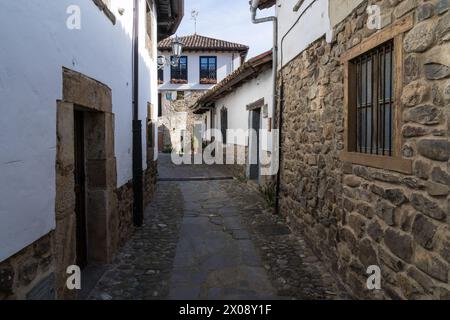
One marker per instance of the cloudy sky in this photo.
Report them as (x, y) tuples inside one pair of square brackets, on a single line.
[(228, 20)]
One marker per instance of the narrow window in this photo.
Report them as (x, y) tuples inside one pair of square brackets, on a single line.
[(180, 95), (208, 70), (373, 74), (179, 73), (159, 105), (224, 123), (160, 76)]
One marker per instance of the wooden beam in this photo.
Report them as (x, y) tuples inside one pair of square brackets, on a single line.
[(379, 38)]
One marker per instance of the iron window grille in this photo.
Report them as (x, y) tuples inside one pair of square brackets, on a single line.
[(208, 70), (374, 74), (160, 76), (179, 73)]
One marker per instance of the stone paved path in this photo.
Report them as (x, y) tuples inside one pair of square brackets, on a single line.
[(213, 239)]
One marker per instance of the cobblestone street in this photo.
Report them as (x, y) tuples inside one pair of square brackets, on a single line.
[(213, 238)]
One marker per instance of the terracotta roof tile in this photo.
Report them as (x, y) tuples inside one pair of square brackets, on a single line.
[(198, 42)]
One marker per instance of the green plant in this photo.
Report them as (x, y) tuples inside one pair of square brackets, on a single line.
[(268, 191), (167, 149)]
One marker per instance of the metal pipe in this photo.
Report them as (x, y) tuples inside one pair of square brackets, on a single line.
[(253, 8), (138, 193)]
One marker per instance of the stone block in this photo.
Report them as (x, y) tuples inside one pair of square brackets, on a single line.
[(399, 244), (415, 93), (431, 264), (423, 231), (421, 37), (434, 149), (427, 207), (424, 114)]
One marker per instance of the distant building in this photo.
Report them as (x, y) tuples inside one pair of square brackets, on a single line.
[(204, 63), (242, 101)]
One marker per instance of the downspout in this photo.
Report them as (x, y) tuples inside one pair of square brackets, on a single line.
[(253, 8), (138, 193)]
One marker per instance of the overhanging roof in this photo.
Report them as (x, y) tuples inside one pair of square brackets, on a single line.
[(170, 14), (264, 4), (246, 72), (197, 42)]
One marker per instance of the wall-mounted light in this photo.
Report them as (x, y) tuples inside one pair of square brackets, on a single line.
[(177, 50)]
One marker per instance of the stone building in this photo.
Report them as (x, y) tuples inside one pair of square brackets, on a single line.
[(204, 63), (240, 102), (66, 196), (364, 95)]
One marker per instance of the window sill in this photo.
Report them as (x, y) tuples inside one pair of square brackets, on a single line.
[(381, 162), (208, 82), (178, 82)]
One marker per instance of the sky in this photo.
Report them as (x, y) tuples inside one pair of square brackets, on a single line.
[(228, 20)]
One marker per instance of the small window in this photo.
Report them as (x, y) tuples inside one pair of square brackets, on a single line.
[(180, 95), (208, 70), (161, 76), (224, 123), (374, 95), (179, 73), (159, 105)]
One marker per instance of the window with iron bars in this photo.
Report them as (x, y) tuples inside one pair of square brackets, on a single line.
[(208, 70), (179, 73), (373, 72)]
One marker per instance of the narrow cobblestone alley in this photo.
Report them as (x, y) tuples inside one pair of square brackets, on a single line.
[(207, 236)]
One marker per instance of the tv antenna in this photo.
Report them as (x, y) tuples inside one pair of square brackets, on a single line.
[(194, 16)]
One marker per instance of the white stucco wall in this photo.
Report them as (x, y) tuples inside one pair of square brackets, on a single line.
[(316, 18), (236, 103), (313, 24), (36, 44), (227, 62)]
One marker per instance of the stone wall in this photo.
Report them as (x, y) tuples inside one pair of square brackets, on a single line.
[(124, 196), (26, 270), (176, 115), (150, 178), (355, 216), (39, 271)]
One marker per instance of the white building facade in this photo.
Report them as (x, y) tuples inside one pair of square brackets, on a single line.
[(67, 66), (204, 63), (239, 109)]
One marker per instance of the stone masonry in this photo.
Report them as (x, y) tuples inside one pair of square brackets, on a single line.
[(355, 216), (176, 116)]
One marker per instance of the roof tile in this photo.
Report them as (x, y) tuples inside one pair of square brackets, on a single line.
[(198, 42)]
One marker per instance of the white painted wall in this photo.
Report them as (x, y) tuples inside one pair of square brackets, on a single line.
[(237, 100), (316, 18), (227, 62), (36, 44), (313, 24)]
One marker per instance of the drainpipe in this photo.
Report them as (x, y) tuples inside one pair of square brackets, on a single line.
[(138, 193), (253, 8)]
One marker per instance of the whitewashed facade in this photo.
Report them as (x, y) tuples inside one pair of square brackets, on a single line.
[(39, 39)]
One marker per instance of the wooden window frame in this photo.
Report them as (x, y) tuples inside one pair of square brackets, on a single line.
[(161, 76), (178, 80), (395, 162), (209, 80)]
